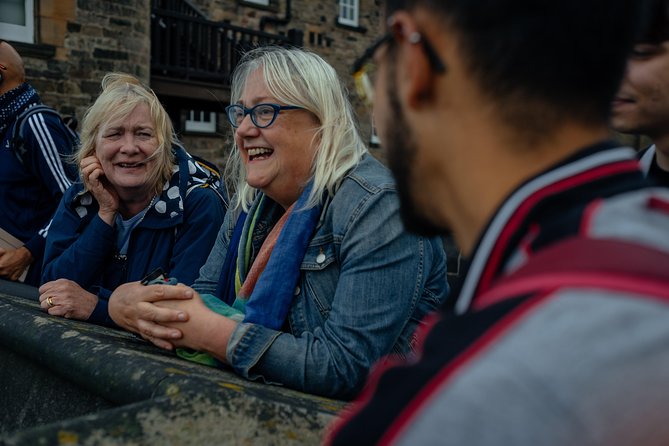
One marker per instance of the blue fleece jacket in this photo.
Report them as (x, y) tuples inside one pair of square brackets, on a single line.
[(176, 234), (30, 191)]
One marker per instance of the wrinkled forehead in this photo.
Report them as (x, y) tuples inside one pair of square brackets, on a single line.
[(255, 88), (133, 115)]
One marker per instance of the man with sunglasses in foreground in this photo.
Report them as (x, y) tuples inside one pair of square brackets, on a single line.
[(495, 117)]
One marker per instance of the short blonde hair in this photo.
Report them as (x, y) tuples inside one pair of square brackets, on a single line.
[(298, 77), (121, 93)]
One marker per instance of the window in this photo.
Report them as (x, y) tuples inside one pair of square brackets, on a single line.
[(317, 38), (16, 20), (260, 2), (348, 12), (201, 121)]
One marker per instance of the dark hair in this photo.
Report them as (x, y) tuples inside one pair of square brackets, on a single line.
[(657, 30), (542, 60)]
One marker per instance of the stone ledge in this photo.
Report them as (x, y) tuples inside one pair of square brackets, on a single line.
[(133, 393)]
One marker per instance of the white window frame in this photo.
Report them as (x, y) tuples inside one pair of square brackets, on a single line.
[(349, 11), (259, 2), (20, 33), (374, 140), (195, 122)]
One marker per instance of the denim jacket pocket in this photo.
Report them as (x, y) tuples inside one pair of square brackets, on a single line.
[(320, 274)]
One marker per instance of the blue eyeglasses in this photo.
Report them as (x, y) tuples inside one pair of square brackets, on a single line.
[(262, 115)]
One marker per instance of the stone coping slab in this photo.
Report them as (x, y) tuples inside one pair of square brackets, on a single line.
[(131, 392)]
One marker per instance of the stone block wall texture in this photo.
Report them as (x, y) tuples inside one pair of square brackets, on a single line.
[(89, 38)]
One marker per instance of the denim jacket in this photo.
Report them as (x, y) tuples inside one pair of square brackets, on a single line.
[(365, 285)]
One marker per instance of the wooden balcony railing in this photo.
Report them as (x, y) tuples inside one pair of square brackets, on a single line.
[(191, 48)]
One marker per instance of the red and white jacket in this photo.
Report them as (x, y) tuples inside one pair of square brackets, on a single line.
[(559, 333)]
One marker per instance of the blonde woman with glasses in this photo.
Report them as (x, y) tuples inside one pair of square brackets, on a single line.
[(322, 277)]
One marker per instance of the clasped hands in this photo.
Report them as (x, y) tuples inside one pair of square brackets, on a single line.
[(169, 317)]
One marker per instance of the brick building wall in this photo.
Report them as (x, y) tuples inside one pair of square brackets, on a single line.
[(78, 42), (339, 45)]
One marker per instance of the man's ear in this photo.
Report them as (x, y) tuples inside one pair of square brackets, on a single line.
[(413, 66)]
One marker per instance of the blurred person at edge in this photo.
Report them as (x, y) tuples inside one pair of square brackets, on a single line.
[(641, 106), (558, 334), (33, 177), (313, 248), (143, 203)]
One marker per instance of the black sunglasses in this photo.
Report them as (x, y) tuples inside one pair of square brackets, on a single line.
[(364, 64)]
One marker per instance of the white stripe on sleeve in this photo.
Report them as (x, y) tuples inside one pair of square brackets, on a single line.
[(49, 150)]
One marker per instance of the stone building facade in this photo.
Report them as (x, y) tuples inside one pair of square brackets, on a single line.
[(74, 43)]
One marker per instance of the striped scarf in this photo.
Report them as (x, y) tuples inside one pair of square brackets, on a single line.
[(265, 286), (272, 293)]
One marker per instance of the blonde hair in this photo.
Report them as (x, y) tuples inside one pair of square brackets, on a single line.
[(298, 77), (121, 93)]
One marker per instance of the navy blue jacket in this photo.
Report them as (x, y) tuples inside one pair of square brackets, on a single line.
[(176, 233), (30, 191)]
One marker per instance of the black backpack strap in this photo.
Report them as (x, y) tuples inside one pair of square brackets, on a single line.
[(17, 140), (213, 181)]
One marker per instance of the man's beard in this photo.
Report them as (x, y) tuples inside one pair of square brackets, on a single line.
[(401, 150)]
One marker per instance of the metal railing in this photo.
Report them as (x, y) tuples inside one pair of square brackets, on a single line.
[(190, 48)]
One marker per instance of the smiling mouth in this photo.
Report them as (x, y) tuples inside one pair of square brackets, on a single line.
[(131, 165), (620, 101), (259, 153)]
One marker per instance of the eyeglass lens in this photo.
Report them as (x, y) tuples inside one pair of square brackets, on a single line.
[(261, 115)]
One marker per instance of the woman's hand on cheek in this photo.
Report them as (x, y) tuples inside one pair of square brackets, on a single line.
[(104, 193)]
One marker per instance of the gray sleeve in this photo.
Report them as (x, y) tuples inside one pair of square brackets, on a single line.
[(586, 368)]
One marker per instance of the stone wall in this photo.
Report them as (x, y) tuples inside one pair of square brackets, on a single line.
[(339, 45), (77, 43)]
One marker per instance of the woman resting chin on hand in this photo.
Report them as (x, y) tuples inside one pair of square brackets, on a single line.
[(141, 204)]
